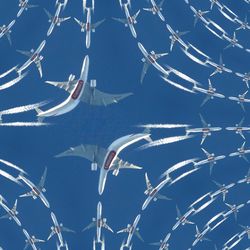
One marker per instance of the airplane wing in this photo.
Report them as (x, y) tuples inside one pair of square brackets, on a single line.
[(43, 179), (178, 212), (125, 230), (15, 206), (121, 20), (207, 98), (92, 224), (204, 136), (63, 19), (68, 86), (139, 235), (95, 25), (144, 70), (6, 216), (83, 25), (204, 123), (119, 163), (161, 4), (148, 183), (65, 229), (108, 227), (48, 14), (162, 197), (28, 194), (8, 37), (93, 96), (92, 153), (26, 53)]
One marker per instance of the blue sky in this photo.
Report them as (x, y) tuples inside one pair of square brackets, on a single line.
[(115, 62)]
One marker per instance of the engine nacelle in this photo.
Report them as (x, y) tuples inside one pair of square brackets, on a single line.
[(116, 172), (92, 83), (93, 166), (71, 77), (40, 58)]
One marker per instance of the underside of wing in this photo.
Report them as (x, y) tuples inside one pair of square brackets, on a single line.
[(93, 96), (92, 153), (124, 165), (68, 86)]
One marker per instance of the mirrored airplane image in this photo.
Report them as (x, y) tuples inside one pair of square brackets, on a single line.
[(107, 159)]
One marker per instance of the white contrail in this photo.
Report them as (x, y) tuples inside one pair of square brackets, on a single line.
[(24, 124), (163, 141), (8, 176), (7, 72), (13, 82), (178, 166), (163, 125), (21, 109), (12, 166)]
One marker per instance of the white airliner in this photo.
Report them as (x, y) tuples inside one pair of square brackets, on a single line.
[(107, 159), (55, 20), (89, 27), (6, 30), (240, 99), (99, 223), (36, 190), (151, 59), (129, 21), (34, 57), (241, 152), (163, 244), (11, 213), (24, 5), (31, 240), (239, 128), (156, 9)]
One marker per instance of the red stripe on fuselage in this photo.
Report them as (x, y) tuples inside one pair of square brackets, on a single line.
[(77, 90), (109, 160)]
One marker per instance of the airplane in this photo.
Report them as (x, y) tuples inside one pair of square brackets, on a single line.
[(80, 90), (129, 21), (55, 20), (246, 179), (107, 159), (241, 152), (58, 229), (211, 159), (247, 230), (6, 30), (243, 24), (200, 235), (176, 37), (199, 15), (163, 244), (245, 77), (150, 59), (156, 9), (223, 189), (233, 42), (36, 190), (206, 129), (88, 27), (24, 5), (62, 2), (210, 92), (34, 57), (239, 129), (234, 209), (98, 222), (153, 193), (11, 213), (213, 2), (131, 230), (219, 68), (182, 219), (240, 99), (31, 240)]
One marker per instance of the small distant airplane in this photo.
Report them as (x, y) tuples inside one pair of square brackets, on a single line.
[(24, 5), (34, 57), (151, 59), (240, 99), (223, 189), (200, 235), (206, 129), (241, 152), (163, 244), (131, 230), (233, 42), (99, 223), (210, 92), (129, 21), (219, 68), (55, 20), (31, 240), (36, 190), (11, 213), (176, 37), (211, 160), (234, 209), (6, 30), (183, 219), (199, 15), (246, 179), (153, 193), (239, 128), (243, 24), (88, 27), (156, 9), (107, 159), (245, 77), (58, 229)]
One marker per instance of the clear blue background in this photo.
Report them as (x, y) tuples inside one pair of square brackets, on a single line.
[(115, 61)]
